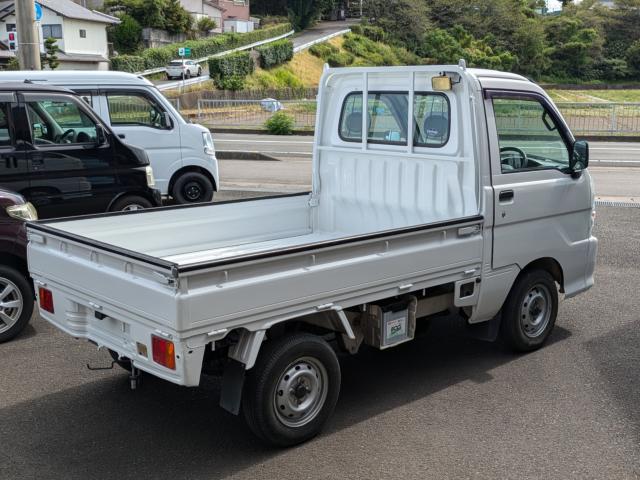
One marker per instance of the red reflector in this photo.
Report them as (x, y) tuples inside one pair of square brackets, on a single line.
[(46, 299), (164, 352)]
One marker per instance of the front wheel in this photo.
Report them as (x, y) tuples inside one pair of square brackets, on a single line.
[(292, 390), (130, 203), (192, 187), (529, 314), (16, 302)]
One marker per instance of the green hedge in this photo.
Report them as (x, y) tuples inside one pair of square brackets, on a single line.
[(229, 71), (159, 57), (275, 53), (127, 63)]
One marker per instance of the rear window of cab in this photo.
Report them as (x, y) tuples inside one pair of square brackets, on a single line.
[(387, 118)]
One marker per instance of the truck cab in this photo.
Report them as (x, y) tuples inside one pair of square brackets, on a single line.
[(435, 189)]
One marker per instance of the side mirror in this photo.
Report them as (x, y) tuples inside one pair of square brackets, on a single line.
[(101, 135), (580, 156)]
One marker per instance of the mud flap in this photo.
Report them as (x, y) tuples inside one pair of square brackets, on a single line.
[(487, 331), (232, 383)]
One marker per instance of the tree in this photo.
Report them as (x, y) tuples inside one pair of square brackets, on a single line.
[(126, 35), (176, 18), (205, 25), (405, 21), (303, 13), (50, 57)]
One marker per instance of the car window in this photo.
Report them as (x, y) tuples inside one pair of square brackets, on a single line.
[(60, 122), (386, 118), (175, 63), (135, 108), (431, 116), (528, 136), (5, 133)]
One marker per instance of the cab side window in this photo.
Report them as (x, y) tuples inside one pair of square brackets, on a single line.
[(5, 133), (135, 108), (59, 122), (528, 136)]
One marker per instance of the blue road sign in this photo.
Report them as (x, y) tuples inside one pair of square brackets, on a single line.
[(38, 12)]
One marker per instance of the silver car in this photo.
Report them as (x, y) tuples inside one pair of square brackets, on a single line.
[(183, 68)]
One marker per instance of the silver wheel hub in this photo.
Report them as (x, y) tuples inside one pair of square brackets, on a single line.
[(11, 304), (300, 392), (535, 311), (131, 207)]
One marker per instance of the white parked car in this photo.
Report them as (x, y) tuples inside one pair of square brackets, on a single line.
[(182, 154), (183, 69), (452, 190)]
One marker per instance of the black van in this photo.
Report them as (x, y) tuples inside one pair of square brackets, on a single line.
[(55, 151)]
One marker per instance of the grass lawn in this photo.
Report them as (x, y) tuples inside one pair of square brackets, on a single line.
[(595, 96)]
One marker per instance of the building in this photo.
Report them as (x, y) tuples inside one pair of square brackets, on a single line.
[(229, 15), (80, 33)]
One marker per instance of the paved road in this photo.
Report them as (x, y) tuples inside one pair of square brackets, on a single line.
[(602, 153), (443, 406), (319, 31), (292, 172)]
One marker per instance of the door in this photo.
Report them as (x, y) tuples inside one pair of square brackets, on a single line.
[(541, 208), (72, 173), (14, 163), (140, 120)]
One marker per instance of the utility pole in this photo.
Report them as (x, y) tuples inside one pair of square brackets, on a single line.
[(29, 45)]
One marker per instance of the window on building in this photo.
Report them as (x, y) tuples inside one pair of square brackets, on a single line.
[(11, 27), (83, 33), (52, 31)]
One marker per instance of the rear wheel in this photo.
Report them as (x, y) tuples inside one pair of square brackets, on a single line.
[(16, 302), (130, 203), (529, 314), (192, 187), (292, 390), (199, 71)]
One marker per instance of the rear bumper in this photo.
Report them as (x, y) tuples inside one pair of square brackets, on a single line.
[(130, 338)]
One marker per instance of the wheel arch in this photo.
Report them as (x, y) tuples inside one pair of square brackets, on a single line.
[(14, 261), (548, 264)]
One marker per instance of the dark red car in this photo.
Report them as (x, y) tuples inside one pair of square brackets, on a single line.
[(16, 289)]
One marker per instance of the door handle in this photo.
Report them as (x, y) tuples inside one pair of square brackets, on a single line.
[(505, 195)]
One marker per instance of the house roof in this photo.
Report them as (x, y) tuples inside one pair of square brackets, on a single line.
[(66, 8)]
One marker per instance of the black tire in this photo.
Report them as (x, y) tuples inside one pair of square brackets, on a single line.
[(199, 72), (124, 363), (530, 311), (192, 187), (130, 202), (15, 290), (261, 396)]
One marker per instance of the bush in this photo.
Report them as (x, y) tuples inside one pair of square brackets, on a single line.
[(128, 63), (340, 59), (126, 35), (275, 53), (159, 57), (228, 72), (323, 50), (633, 57), (280, 124), (376, 34)]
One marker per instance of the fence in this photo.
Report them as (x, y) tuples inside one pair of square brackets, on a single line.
[(223, 109), (254, 113), (602, 118)]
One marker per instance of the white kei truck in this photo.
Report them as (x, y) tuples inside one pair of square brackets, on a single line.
[(468, 194)]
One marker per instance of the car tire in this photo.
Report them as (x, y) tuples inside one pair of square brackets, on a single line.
[(292, 391), (530, 311), (16, 302), (130, 203), (199, 72), (169, 77), (192, 187)]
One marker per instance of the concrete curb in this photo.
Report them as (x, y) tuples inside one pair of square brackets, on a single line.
[(243, 155)]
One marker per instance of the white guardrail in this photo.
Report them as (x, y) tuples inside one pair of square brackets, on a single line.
[(320, 40), (151, 71)]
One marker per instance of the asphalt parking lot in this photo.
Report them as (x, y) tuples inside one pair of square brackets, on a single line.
[(443, 406)]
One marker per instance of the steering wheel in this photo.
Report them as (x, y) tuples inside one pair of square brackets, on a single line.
[(62, 137), (511, 160)]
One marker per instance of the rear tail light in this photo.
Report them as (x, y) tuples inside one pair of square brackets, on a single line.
[(164, 352), (46, 299)]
